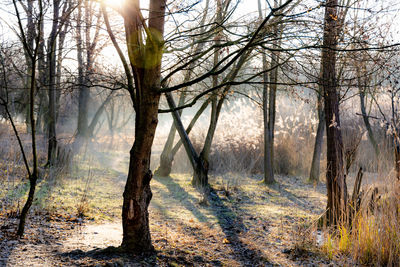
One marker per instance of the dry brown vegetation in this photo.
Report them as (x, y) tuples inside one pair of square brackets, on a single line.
[(241, 223)]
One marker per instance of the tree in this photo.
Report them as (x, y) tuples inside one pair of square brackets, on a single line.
[(145, 60), (200, 162), (335, 179), (270, 80), (319, 137), (168, 153), (87, 43), (31, 48), (145, 46), (54, 65)]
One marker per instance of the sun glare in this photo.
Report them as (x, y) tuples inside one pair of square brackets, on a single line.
[(114, 3)]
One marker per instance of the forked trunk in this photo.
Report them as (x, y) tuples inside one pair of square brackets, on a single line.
[(168, 153)]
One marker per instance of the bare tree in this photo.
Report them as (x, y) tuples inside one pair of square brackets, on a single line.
[(88, 18), (31, 49), (145, 48), (335, 178)]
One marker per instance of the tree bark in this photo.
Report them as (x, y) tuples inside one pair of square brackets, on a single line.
[(190, 126), (96, 117), (335, 179)]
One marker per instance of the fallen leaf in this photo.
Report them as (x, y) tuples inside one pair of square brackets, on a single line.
[(226, 241)]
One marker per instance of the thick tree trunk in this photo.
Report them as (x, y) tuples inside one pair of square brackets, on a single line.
[(137, 194), (145, 59), (319, 138), (335, 179)]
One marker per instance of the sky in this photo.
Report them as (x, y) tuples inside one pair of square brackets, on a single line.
[(245, 8)]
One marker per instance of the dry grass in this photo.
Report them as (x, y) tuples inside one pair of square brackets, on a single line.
[(373, 237), (238, 144)]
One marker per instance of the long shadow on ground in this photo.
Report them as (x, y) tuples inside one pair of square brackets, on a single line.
[(186, 199), (232, 225), (110, 257), (228, 219), (9, 242)]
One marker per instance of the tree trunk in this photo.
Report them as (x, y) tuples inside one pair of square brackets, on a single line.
[(30, 40), (28, 204), (268, 160), (146, 67), (190, 126), (269, 102), (96, 117), (335, 179), (32, 51), (199, 167), (137, 193), (200, 175), (51, 61), (319, 138), (167, 155), (84, 93), (367, 124), (397, 156), (41, 115)]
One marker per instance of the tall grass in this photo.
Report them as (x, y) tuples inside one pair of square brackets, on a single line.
[(373, 236), (238, 144)]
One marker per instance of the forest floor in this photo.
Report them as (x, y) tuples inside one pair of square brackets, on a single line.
[(241, 223)]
